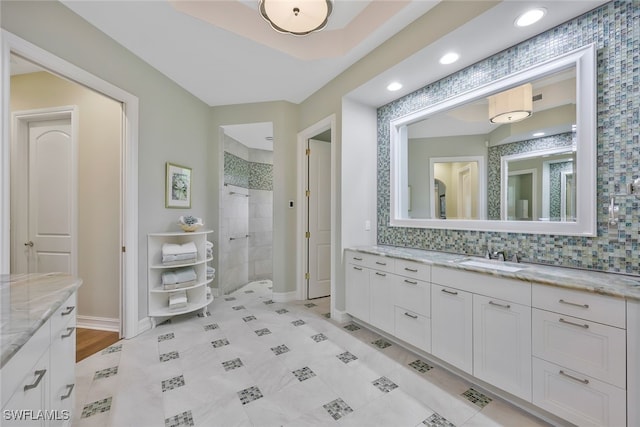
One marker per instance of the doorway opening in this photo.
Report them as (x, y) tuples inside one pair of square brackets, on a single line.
[(246, 206), (317, 232), (115, 173)]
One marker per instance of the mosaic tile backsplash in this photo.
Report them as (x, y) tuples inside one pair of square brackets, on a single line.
[(614, 29), (246, 174)]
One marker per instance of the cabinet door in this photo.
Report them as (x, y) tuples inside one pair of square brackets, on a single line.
[(502, 344), (451, 326), (382, 311), (34, 398), (63, 357), (357, 291)]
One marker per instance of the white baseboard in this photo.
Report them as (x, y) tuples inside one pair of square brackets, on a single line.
[(99, 323), (340, 316), (284, 296), (144, 325)]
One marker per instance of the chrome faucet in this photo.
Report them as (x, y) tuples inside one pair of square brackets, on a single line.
[(497, 255)]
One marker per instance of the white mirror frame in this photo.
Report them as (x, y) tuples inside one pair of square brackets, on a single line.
[(585, 224)]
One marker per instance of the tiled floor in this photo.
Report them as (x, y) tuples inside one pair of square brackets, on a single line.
[(255, 362)]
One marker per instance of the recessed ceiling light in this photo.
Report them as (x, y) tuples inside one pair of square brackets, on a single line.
[(530, 17), (449, 58), (394, 86), (537, 134)]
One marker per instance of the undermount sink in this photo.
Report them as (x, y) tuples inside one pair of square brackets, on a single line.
[(492, 265)]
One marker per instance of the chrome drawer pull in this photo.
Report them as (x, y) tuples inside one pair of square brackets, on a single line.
[(449, 292), (413, 316), (411, 282), (413, 270), (585, 381), (357, 259), (561, 301), (69, 310), (574, 324), (381, 274), (69, 333), (381, 263), (357, 268), (68, 395), (40, 374), (499, 305)]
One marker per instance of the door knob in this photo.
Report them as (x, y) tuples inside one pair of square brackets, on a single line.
[(29, 243)]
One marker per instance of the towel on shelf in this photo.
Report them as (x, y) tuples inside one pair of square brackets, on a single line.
[(177, 300), (211, 272), (209, 249), (179, 278), (172, 252)]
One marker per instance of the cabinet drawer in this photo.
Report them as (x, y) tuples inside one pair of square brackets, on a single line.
[(579, 399), (585, 305), (588, 347), (414, 295), (513, 290), (413, 269), (377, 262), (413, 328), (65, 315)]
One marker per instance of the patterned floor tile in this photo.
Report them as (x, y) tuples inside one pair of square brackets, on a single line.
[(352, 327), (310, 304), (249, 318), (384, 384), (337, 408), (183, 419), (230, 299), (238, 307), (165, 357), (281, 349), (282, 311), (172, 383), (381, 343), (346, 357), (249, 291), (298, 322), (211, 327), (437, 420), (96, 407), (106, 373), (249, 395), (421, 366), (477, 398), (220, 343), (319, 337), (263, 331), (269, 302), (232, 364), (166, 337), (112, 349), (205, 314), (304, 373)]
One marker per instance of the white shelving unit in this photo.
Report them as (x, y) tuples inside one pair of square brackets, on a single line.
[(197, 295)]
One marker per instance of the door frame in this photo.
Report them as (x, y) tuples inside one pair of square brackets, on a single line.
[(130, 326), (328, 123), (19, 141)]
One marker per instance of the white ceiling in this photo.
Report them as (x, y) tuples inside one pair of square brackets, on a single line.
[(224, 53)]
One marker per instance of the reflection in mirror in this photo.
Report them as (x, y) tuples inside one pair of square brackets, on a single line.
[(469, 158)]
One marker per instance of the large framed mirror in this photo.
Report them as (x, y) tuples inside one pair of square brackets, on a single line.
[(515, 155)]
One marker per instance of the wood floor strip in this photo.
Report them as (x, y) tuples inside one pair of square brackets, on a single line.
[(91, 341)]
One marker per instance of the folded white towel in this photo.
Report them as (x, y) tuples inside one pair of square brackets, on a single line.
[(177, 300), (208, 244), (177, 249), (180, 257), (180, 275)]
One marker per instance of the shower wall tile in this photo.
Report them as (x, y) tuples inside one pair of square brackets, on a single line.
[(613, 28)]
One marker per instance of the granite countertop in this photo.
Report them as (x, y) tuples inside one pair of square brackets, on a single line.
[(612, 284), (27, 301)]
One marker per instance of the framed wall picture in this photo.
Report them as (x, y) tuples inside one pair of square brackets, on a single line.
[(178, 186)]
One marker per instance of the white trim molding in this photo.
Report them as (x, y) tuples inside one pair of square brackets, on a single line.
[(98, 323)]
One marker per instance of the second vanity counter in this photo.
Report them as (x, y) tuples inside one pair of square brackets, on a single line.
[(558, 339), (611, 284)]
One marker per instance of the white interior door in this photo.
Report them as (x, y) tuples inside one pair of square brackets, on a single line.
[(319, 219), (47, 243)]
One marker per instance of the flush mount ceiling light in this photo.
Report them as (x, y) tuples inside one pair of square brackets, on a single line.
[(511, 105), (297, 17), (530, 17)]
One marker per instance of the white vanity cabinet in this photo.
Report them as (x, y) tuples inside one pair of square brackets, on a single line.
[(579, 349), (412, 303), (198, 295), (41, 375)]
